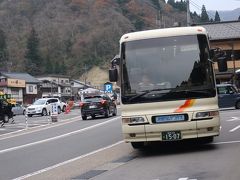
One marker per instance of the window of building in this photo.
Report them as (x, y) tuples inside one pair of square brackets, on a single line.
[(15, 91), (66, 81), (235, 53), (30, 88)]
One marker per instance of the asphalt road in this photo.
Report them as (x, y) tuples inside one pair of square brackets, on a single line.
[(93, 149)]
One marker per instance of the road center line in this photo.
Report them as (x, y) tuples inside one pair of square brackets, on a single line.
[(68, 161), (58, 137), (234, 129)]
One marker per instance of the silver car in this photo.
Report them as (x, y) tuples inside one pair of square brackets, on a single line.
[(18, 109)]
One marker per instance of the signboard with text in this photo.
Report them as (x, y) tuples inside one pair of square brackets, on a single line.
[(54, 108), (16, 83)]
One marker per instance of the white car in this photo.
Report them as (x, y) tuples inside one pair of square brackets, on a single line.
[(44, 107)]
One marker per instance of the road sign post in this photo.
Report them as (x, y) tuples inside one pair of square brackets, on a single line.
[(54, 112), (26, 120)]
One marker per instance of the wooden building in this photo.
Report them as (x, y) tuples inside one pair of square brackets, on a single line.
[(226, 36)]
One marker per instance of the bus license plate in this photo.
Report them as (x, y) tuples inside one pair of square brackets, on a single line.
[(171, 135)]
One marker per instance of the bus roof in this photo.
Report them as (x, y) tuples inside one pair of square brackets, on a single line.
[(167, 32)]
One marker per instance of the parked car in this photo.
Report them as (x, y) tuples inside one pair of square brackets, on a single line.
[(18, 109), (43, 107), (63, 106), (228, 96), (98, 105)]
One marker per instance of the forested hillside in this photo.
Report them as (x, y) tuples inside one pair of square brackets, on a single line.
[(62, 36)]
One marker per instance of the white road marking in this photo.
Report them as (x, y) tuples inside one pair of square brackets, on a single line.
[(234, 119), (94, 152), (36, 127), (234, 129), (66, 162), (57, 137), (226, 142)]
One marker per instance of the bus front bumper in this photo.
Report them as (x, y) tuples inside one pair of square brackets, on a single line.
[(187, 130)]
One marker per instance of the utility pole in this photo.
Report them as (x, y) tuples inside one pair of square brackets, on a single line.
[(234, 65), (85, 68), (188, 14)]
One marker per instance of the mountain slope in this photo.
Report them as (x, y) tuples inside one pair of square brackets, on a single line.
[(77, 32)]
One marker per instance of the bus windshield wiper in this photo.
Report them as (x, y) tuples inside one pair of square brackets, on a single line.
[(147, 92)]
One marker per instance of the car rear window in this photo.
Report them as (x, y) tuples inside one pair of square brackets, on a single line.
[(92, 98)]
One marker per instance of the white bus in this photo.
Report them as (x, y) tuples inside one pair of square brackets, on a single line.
[(167, 83)]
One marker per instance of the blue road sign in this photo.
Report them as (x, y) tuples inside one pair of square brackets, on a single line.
[(108, 87)]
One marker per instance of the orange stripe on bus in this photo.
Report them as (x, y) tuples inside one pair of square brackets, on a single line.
[(188, 103)]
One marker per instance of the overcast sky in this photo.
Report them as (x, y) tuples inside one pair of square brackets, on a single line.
[(216, 5)]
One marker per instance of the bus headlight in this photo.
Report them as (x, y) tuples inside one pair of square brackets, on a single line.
[(207, 114), (133, 120)]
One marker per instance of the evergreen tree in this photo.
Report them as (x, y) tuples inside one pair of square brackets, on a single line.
[(3, 48), (49, 66), (181, 5), (63, 68), (217, 17), (204, 15), (171, 2), (57, 69), (139, 24), (195, 17), (156, 3), (32, 55), (238, 18)]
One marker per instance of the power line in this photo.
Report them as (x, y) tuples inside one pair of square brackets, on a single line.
[(227, 25), (196, 5)]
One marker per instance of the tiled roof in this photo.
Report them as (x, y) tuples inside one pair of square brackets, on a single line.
[(223, 30), (23, 76)]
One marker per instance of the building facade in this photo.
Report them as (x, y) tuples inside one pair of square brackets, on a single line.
[(56, 86), (226, 36), (21, 86)]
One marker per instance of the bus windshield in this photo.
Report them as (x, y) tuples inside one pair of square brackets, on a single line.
[(165, 69)]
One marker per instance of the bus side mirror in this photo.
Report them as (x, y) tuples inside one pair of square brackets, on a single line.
[(113, 72), (222, 64), (113, 75)]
